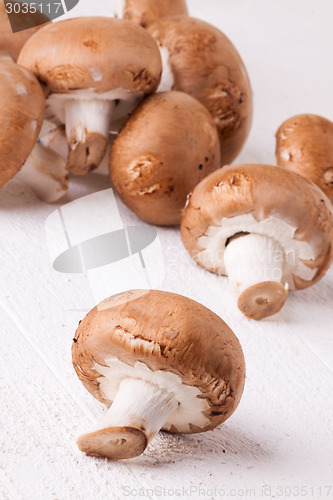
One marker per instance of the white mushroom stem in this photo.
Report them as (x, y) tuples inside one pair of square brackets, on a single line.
[(252, 259), (167, 80), (254, 265), (87, 129), (54, 137), (140, 404), (45, 172), (120, 7), (138, 412)]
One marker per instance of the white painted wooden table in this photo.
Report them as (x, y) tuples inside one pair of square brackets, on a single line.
[(278, 444)]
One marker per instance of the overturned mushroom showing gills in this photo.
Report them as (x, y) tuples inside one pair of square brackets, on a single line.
[(12, 43), (99, 69), (200, 60), (146, 12), (304, 144), (169, 144), (269, 230), (159, 361)]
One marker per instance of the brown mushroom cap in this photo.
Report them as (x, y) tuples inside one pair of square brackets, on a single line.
[(12, 43), (168, 333), (206, 65), (22, 103), (304, 144), (263, 191), (146, 12), (167, 146), (97, 53)]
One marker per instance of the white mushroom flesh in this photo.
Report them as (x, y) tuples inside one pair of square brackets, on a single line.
[(45, 172), (139, 404), (120, 7), (253, 259), (93, 116), (190, 406), (167, 80), (87, 111), (294, 252), (54, 137)]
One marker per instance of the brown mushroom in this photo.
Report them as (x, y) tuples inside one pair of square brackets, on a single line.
[(146, 12), (269, 230), (304, 144), (11, 43), (167, 146), (159, 361), (95, 70), (200, 60), (23, 101)]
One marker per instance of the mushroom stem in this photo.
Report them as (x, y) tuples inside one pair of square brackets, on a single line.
[(167, 79), (87, 130), (254, 265), (45, 172), (54, 137), (138, 412), (120, 7)]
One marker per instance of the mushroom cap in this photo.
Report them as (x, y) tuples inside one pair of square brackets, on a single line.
[(23, 100), (304, 144), (261, 192), (168, 145), (146, 12), (206, 65), (168, 333), (97, 53), (12, 43)]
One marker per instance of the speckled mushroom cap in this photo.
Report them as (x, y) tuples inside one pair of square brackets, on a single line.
[(11, 43), (264, 197), (97, 53), (22, 103), (205, 64), (167, 333), (304, 144), (166, 148), (145, 12)]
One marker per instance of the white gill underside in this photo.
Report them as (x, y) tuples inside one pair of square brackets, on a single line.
[(167, 80), (45, 172), (190, 405), (56, 104), (213, 245)]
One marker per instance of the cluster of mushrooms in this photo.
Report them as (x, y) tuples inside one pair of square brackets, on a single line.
[(166, 101)]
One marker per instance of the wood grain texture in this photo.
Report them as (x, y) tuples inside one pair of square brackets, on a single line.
[(281, 433)]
